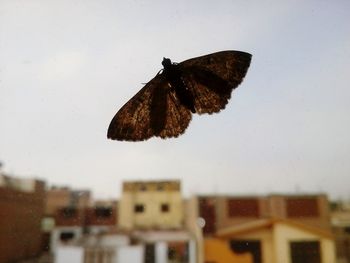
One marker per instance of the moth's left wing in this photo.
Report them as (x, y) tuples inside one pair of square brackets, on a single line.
[(153, 111), (133, 121)]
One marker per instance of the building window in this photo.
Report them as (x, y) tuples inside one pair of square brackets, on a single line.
[(68, 212), (139, 208), (165, 208), (143, 187), (302, 207), (103, 212), (243, 207), (308, 252), (66, 236), (251, 246), (347, 229)]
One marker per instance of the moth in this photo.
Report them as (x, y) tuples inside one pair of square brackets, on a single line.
[(164, 106)]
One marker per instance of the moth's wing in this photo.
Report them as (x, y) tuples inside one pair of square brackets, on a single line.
[(176, 116), (211, 78), (210, 93), (132, 122), (153, 111), (229, 65)]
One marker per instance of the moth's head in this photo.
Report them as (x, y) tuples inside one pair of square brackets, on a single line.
[(166, 62)]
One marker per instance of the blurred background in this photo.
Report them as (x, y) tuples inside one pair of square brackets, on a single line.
[(266, 180)]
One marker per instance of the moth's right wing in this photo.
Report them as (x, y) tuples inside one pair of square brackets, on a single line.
[(229, 65), (211, 78)]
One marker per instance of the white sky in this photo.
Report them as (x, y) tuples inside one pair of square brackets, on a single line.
[(67, 66)]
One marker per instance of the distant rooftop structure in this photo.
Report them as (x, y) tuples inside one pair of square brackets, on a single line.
[(19, 184), (59, 197), (161, 185)]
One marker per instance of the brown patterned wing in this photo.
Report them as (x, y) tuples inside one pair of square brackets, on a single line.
[(177, 117), (211, 78), (153, 111)]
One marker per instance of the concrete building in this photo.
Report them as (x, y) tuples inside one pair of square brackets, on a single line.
[(111, 248), (72, 224), (151, 205), (269, 227), (21, 212), (280, 241), (225, 211), (68, 227), (71, 214), (64, 215), (138, 246), (208, 247), (152, 213)]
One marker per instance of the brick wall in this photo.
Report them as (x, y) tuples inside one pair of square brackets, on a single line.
[(20, 222), (101, 216)]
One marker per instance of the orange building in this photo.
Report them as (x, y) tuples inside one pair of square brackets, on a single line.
[(273, 229)]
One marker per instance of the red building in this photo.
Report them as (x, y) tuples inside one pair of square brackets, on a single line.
[(101, 216), (73, 215)]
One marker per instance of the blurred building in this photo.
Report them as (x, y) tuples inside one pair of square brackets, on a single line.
[(273, 229), (152, 212), (225, 211), (341, 228), (101, 217), (151, 205), (58, 197), (98, 248), (150, 229), (22, 203), (71, 215), (64, 215)]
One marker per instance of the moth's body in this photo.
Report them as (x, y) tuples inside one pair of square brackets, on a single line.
[(173, 74), (164, 106)]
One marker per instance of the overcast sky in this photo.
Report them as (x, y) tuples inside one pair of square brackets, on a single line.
[(66, 67)]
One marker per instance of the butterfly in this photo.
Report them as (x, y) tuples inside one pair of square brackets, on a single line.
[(164, 106)]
